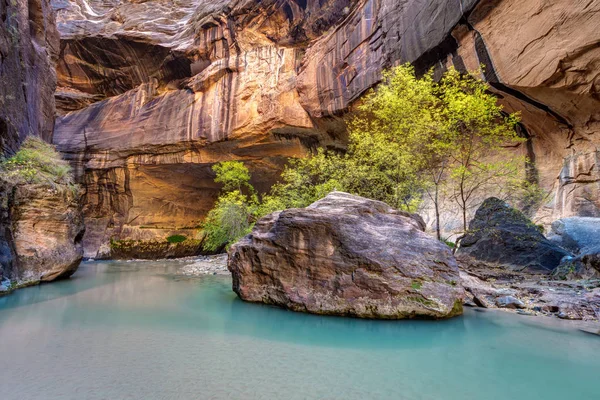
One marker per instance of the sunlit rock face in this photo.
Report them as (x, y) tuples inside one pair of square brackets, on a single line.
[(42, 228), (152, 93), (28, 48), (350, 256)]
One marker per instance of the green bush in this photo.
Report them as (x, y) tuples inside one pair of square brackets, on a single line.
[(36, 162), (176, 239), (231, 219)]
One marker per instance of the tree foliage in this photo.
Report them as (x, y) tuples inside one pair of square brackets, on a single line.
[(411, 139), (235, 211)]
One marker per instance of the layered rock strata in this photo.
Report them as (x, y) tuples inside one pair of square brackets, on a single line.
[(155, 92), (347, 255)]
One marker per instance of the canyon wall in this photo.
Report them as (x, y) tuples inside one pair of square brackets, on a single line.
[(29, 44), (153, 93)]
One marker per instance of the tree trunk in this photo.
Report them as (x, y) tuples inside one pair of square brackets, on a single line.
[(437, 213)]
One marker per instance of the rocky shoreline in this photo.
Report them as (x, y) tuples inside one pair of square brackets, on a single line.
[(206, 265), (492, 288), (489, 286)]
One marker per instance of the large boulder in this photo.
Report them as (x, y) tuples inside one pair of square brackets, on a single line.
[(347, 255), (503, 235), (46, 232)]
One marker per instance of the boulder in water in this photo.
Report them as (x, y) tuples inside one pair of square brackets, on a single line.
[(347, 255), (47, 228)]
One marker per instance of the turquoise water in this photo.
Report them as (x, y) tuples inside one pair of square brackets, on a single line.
[(137, 330)]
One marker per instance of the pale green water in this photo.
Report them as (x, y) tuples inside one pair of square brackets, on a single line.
[(137, 331)]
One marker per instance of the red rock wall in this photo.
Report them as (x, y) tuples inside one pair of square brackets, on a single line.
[(151, 103), (28, 48)]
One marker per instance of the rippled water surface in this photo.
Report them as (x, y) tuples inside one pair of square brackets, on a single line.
[(137, 330)]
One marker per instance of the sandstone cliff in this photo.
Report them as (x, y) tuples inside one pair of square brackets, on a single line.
[(153, 93), (29, 44), (45, 232), (41, 221)]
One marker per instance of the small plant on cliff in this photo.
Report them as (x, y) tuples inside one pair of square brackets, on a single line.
[(176, 239), (36, 162), (236, 209)]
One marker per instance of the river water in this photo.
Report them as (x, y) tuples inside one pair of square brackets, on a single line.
[(138, 330)]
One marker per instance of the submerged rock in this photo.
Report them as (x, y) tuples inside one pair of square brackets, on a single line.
[(503, 235), (347, 255)]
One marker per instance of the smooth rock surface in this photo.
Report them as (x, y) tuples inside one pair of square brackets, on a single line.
[(500, 234), (45, 233), (581, 235), (347, 255)]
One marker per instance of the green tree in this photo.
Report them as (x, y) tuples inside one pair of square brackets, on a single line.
[(414, 137), (410, 138), (467, 156), (235, 211), (233, 175)]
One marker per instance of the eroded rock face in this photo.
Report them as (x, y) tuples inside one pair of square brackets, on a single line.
[(347, 255), (28, 49), (44, 234), (502, 235), (153, 93)]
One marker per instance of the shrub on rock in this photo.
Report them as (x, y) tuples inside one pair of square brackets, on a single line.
[(41, 222)]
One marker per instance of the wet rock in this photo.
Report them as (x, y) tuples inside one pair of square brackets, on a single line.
[(509, 302), (503, 235), (591, 331), (347, 255)]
